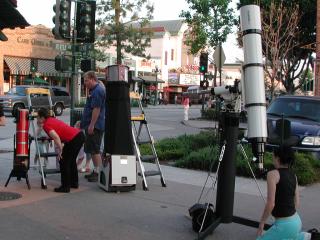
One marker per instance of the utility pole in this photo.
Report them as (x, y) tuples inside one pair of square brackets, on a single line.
[(74, 77)]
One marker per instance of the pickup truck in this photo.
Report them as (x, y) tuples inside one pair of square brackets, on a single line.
[(16, 98), (297, 119)]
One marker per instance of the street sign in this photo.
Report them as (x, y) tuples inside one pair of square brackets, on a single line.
[(219, 57), (62, 47), (83, 49)]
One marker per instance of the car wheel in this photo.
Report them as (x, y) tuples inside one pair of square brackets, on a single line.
[(58, 109), (16, 108)]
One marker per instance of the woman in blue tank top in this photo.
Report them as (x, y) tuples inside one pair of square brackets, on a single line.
[(282, 200)]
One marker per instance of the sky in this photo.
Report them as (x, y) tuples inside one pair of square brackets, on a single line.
[(41, 12)]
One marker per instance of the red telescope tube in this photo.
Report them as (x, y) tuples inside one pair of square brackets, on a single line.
[(22, 134)]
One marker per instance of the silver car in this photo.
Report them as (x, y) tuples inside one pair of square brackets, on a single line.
[(16, 98)]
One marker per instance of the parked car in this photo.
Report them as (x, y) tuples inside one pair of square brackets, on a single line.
[(195, 96), (295, 120), (16, 98)]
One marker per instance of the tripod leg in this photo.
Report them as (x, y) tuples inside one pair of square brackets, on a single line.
[(209, 172), (8, 179), (27, 180), (255, 179)]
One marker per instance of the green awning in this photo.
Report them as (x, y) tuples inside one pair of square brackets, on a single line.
[(36, 80)]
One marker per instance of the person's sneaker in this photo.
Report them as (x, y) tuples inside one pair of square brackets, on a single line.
[(62, 189), (93, 177)]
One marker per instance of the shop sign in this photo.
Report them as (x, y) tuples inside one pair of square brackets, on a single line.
[(173, 78), (35, 42), (192, 67), (145, 63), (189, 79)]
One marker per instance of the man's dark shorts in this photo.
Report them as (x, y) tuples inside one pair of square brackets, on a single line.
[(93, 142)]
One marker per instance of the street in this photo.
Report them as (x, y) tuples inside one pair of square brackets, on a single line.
[(164, 121)]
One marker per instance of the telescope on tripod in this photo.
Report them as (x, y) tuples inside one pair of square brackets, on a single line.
[(250, 89)]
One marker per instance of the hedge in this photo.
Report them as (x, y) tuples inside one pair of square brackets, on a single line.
[(201, 150)]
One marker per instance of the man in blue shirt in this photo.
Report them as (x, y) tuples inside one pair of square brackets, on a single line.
[(93, 121)]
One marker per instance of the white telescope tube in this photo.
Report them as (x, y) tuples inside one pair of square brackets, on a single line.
[(255, 101)]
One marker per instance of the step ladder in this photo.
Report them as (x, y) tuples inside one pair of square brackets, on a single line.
[(45, 153), (139, 140)]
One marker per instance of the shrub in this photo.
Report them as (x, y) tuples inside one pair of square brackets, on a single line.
[(169, 149), (304, 168), (209, 114), (201, 159), (201, 140), (201, 150)]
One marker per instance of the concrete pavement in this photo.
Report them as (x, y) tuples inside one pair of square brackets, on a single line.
[(160, 213)]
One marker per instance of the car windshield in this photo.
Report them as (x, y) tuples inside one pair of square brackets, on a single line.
[(296, 107), (20, 91)]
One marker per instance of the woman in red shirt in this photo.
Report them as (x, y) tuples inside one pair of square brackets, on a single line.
[(73, 140)]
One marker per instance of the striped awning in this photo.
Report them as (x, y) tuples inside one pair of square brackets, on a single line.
[(46, 68), (18, 66), (21, 66)]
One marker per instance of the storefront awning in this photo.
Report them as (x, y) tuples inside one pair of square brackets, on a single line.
[(46, 68), (151, 79), (21, 66), (18, 66), (137, 79)]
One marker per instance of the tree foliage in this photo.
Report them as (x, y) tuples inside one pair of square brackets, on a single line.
[(286, 56), (210, 22), (123, 24)]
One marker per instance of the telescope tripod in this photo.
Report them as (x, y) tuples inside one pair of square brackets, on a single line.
[(225, 179)]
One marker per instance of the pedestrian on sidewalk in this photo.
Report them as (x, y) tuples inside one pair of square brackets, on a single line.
[(72, 138), (2, 117), (186, 105), (282, 200), (93, 121)]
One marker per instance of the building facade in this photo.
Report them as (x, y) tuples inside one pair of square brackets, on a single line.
[(29, 53), (171, 67)]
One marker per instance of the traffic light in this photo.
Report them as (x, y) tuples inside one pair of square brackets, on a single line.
[(308, 85), (61, 20), (62, 63), (33, 65), (87, 65), (85, 21), (203, 66)]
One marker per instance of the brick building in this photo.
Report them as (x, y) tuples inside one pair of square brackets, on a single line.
[(32, 46)]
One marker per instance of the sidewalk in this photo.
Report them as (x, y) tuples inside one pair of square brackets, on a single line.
[(160, 213)]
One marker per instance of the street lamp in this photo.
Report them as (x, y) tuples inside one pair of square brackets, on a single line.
[(156, 95)]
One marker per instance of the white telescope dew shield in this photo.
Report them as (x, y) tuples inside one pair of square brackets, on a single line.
[(255, 101)]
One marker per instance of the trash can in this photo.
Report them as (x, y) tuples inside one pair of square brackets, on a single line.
[(76, 115)]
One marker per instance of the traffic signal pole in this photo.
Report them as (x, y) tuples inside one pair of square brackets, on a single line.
[(74, 77), (82, 31)]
